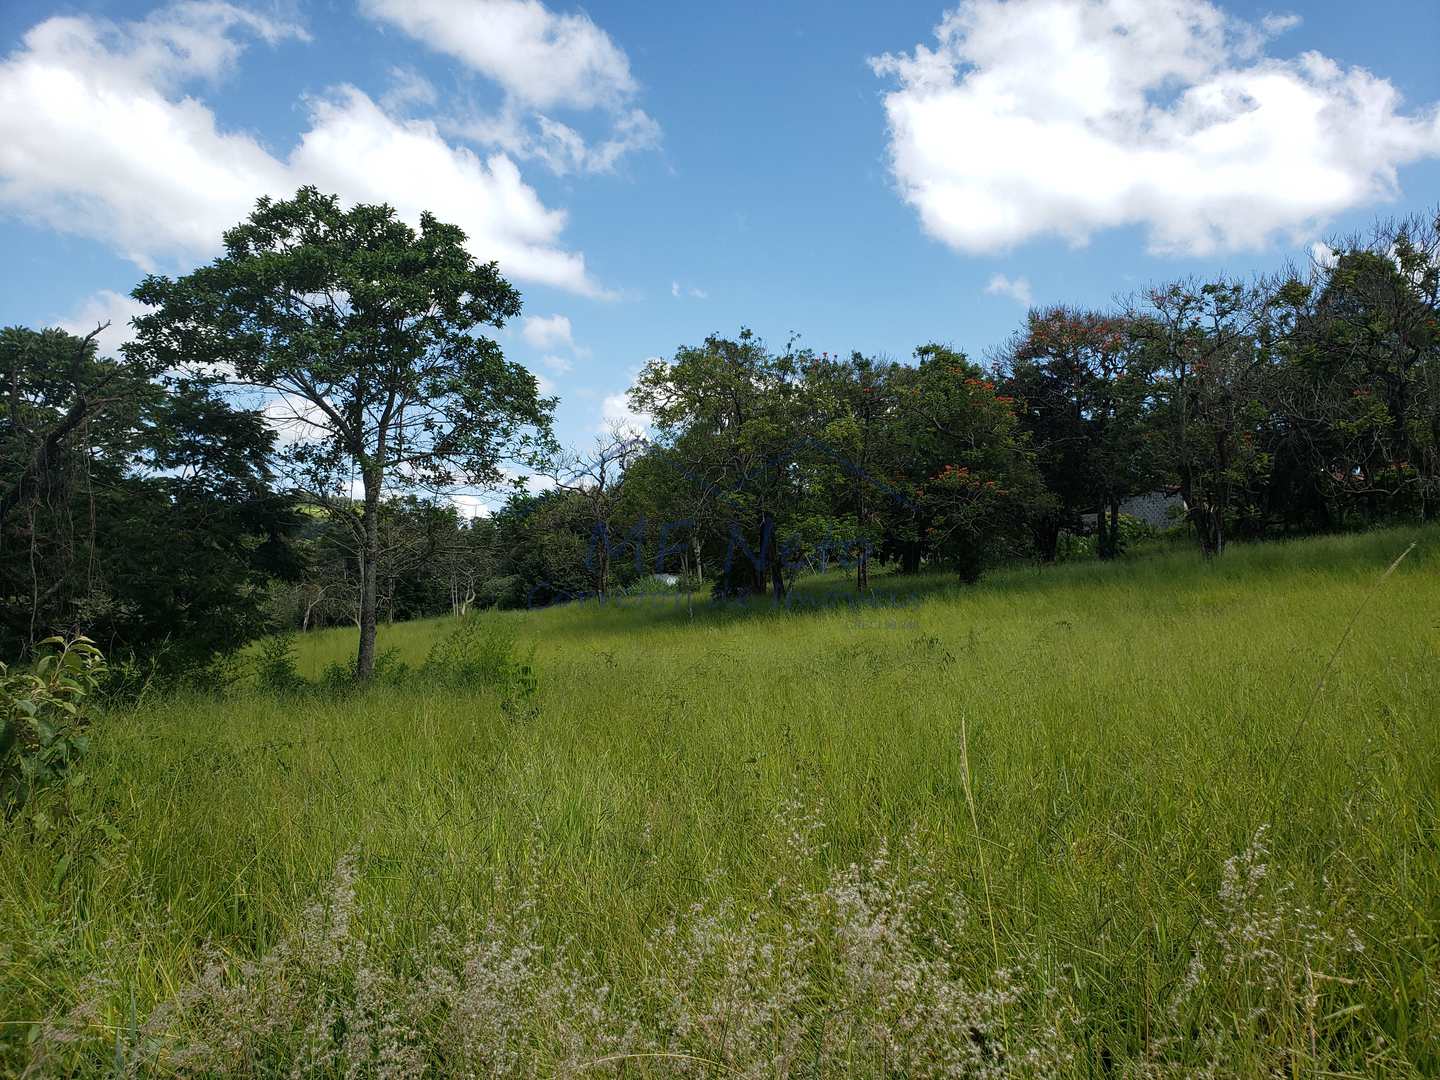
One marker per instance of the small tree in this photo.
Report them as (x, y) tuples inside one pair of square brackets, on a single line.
[(363, 330), (597, 477)]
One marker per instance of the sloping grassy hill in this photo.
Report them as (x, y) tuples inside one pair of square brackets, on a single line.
[(1139, 819)]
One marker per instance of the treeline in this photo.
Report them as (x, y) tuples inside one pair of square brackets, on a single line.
[(1306, 401), (150, 503)]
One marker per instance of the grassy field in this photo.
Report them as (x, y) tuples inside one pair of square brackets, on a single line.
[(1158, 818)]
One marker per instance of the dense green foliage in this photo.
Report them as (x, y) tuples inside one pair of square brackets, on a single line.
[(1019, 828), (43, 716), (139, 507)]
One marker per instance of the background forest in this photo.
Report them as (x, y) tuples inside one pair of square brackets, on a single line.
[(155, 504)]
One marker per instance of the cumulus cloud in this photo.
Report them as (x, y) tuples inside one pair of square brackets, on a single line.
[(95, 140), (355, 148), (540, 57), (557, 364), (547, 331), (616, 415), (1018, 289), (100, 136), (1323, 255), (1065, 117), (677, 290), (542, 60)]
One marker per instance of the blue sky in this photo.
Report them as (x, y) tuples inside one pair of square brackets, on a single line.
[(647, 174)]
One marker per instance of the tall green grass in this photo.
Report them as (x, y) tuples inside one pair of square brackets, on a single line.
[(1117, 785)]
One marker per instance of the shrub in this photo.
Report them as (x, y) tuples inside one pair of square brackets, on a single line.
[(44, 718), (652, 585), (1072, 547), (484, 652), (389, 670), (275, 667), (478, 652)]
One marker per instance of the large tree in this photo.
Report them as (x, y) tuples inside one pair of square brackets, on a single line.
[(363, 331), (1212, 346), (856, 407), (1083, 386), (964, 469), (735, 417)]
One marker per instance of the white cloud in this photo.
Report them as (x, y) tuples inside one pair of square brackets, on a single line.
[(543, 60), (100, 308), (558, 146), (1273, 25), (295, 419), (1323, 255), (616, 414), (1065, 117), (98, 138), (1018, 289), (539, 57), (677, 290), (470, 507), (355, 149), (547, 331), (408, 88), (93, 142), (557, 364)]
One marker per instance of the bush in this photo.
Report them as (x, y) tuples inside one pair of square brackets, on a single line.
[(484, 652), (1073, 546), (43, 716), (389, 670), (275, 667)]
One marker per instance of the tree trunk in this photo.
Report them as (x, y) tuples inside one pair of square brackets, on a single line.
[(910, 557), (1047, 537), (770, 543), (862, 564), (1107, 532), (369, 573), (1209, 524)]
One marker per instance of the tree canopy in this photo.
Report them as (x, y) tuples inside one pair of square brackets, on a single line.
[(364, 334)]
